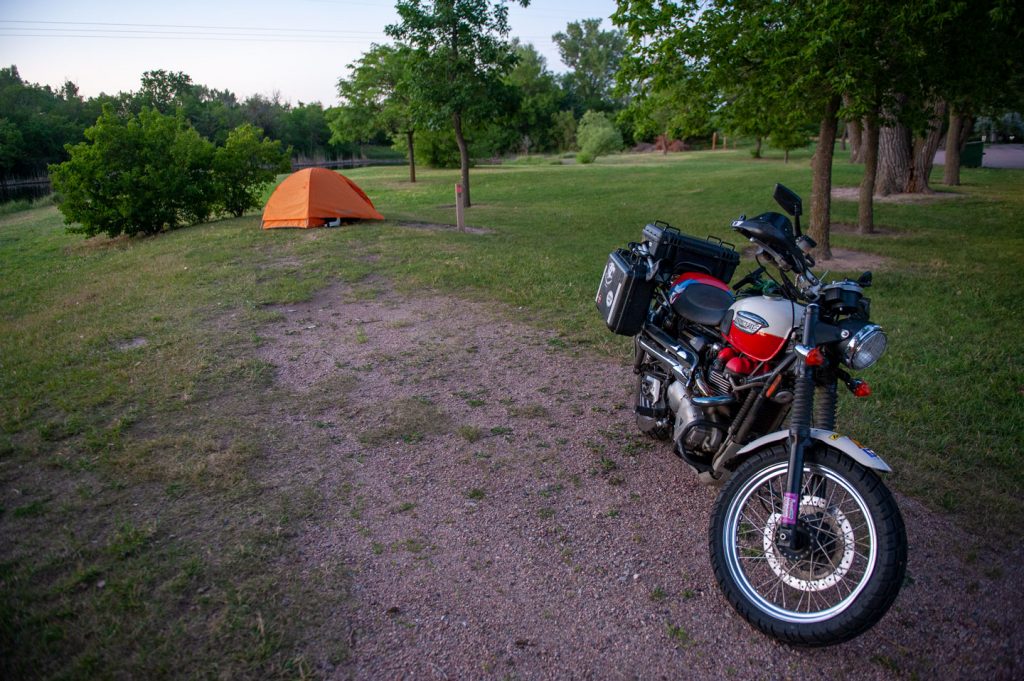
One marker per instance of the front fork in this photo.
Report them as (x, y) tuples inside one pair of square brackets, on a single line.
[(799, 435)]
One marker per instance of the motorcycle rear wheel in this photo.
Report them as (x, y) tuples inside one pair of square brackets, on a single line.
[(854, 559)]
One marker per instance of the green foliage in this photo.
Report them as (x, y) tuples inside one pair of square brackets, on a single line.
[(244, 166), (563, 129), (593, 57), (146, 173), (789, 139), (585, 157), (378, 96), (539, 98), (134, 175), (36, 122), (597, 136), (434, 149), (459, 56)]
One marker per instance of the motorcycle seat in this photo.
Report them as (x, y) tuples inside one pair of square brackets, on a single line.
[(700, 298)]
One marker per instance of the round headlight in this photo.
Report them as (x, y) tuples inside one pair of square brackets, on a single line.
[(865, 347)]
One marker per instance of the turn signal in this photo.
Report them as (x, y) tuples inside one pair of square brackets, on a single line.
[(815, 358), (861, 388)]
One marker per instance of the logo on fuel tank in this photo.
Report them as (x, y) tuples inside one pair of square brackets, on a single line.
[(749, 322)]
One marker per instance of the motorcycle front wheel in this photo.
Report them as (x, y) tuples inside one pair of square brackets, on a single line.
[(852, 556)]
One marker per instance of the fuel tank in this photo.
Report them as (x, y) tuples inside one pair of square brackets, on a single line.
[(759, 326)]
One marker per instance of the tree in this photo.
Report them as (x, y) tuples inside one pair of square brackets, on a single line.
[(11, 148), (969, 57), (597, 136), (39, 122), (538, 96), (563, 127), (306, 131), (785, 53), (461, 56), (593, 57), (140, 174), (378, 95), (165, 91), (787, 134), (798, 59), (246, 163)]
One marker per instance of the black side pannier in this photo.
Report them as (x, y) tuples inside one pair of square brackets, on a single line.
[(681, 253), (624, 296)]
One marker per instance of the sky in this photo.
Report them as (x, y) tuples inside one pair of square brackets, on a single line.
[(297, 48)]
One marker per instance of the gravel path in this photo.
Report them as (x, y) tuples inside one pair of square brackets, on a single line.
[(502, 519)]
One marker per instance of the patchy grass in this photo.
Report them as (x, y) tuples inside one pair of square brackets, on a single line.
[(678, 635), (470, 433), (410, 420)]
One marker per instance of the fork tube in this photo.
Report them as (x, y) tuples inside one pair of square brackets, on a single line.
[(799, 432)]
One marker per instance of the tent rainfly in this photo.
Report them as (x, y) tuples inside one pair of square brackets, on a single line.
[(314, 196)]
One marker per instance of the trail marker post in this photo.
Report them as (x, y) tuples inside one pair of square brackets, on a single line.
[(460, 217)]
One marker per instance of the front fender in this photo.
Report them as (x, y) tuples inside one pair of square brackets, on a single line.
[(858, 452)]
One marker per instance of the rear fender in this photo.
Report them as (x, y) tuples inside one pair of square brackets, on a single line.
[(853, 449)]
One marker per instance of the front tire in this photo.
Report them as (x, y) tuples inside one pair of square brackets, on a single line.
[(850, 569)]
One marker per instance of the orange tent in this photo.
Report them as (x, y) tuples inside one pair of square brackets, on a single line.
[(312, 197)]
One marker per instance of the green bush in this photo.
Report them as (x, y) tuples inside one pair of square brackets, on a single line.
[(597, 136), (584, 157), (135, 175), (243, 166), (146, 173)]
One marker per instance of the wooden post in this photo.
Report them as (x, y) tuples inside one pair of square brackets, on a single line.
[(460, 218)]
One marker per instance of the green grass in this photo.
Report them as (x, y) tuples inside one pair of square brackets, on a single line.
[(139, 537)]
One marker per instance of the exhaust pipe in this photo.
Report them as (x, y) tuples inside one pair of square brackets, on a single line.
[(676, 357)]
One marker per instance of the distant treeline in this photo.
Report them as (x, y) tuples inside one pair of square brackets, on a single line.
[(539, 110), (37, 121)]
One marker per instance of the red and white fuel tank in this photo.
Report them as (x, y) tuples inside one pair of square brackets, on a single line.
[(759, 326)]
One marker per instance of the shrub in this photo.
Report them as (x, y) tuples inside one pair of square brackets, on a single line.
[(137, 174), (150, 172), (597, 135), (244, 166), (584, 157)]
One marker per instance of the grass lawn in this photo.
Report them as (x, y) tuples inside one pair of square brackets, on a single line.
[(138, 535)]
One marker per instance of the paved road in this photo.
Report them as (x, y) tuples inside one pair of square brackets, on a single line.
[(996, 156)]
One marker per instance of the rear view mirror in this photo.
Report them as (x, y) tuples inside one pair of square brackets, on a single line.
[(787, 198)]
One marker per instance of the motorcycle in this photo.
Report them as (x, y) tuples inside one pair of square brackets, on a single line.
[(807, 543)]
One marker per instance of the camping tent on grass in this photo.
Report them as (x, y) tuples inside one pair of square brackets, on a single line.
[(314, 196)]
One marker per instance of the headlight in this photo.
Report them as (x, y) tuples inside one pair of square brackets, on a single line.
[(865, 347)]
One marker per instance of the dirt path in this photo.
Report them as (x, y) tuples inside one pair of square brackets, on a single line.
[(502, 519)]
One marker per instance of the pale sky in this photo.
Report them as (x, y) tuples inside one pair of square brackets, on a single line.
[(298, 48)]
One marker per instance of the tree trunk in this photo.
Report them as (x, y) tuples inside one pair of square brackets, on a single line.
[(757, 149), (954, 145), (855, 133), (869, 149), (786, 157), (894, 159), (463, 157), (714, 141), (924, 152), (412, 155), (821, 180), (904, 164)]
